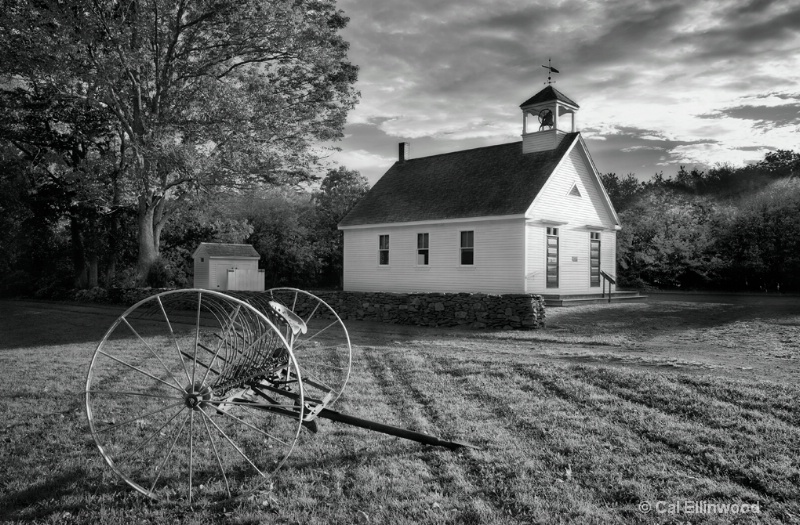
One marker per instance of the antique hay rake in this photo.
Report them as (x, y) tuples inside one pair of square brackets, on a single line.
[(199, 395)]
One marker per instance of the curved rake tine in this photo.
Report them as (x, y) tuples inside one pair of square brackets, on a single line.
[(219, 345)]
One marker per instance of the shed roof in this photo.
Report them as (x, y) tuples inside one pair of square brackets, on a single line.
[(481, 182), (546, 95), (213, 249)]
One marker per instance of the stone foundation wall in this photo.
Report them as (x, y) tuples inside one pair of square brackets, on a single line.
[(421, 309), (440, 309)]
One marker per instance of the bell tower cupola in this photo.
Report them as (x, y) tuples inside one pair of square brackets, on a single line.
[(546, 118)]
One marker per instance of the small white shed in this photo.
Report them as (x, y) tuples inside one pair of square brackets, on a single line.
[(227, 267)]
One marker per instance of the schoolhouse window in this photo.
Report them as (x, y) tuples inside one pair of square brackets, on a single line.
[(594, 259), (202, 259), (422, 249), (552, 258), (383, 249), (468, 247)]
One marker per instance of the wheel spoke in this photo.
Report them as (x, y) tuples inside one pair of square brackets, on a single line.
[(256, 428), (119, 393), (152, 435), (312, 314), (216, 455), (137, 418), (197, 334), (174, 338), (229, 440), (308, 340), (191, 452), (151, 351), (120, 361), (160, 468)]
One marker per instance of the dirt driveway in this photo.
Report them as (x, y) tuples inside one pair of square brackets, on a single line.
[(741, 335), (734, 335)]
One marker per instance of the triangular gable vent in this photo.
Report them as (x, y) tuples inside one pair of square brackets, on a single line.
[(575, 192)]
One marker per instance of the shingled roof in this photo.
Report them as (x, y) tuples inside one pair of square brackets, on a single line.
[(547, 94), (214, 249), (481, 182)]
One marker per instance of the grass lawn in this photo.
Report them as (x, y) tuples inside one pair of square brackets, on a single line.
[(610, 409)]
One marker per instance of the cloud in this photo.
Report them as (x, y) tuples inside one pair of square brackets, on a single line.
[(641, 148), (363, 161), (764, 116), (710, 154), (648, 74)]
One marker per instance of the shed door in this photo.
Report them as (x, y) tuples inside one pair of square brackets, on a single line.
[(220, 273)]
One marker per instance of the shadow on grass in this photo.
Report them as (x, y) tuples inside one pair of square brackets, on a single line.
[(49, 496)]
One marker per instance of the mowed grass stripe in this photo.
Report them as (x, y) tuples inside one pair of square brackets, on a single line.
[(462, 502), (678, 435), (526, 481), (748, 432), (779, 401), (561, 435), (754, 451)]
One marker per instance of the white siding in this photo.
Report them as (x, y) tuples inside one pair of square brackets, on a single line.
[(218, 275), (574, 213), (541, 140), (499, 258), (201, 264)]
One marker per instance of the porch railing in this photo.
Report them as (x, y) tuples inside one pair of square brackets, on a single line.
[(611, 280)]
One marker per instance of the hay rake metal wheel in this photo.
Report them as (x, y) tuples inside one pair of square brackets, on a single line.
[(176, 391), (321, 345)]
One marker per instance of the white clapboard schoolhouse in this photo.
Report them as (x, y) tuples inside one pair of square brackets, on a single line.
[(524, 217)]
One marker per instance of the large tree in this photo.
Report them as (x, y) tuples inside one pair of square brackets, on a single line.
[(213, 93), (339, 192)]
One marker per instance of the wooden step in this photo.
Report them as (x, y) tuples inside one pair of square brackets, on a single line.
[(581, 299)]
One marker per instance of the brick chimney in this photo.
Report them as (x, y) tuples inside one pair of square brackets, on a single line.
[(404, 151)]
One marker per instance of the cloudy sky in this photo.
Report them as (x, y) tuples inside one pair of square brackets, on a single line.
[(660, 82)]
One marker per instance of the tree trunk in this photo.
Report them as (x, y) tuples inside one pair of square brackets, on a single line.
[(78, 258), (148, 247), (115, 228), (93, 264)]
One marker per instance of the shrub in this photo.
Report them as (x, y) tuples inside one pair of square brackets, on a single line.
[(159, 274)]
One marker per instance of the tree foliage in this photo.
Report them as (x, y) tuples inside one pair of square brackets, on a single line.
[(202, 93), (727, 227), (340, 190)]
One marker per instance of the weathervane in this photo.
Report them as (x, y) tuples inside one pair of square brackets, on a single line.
[(550, 70)]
